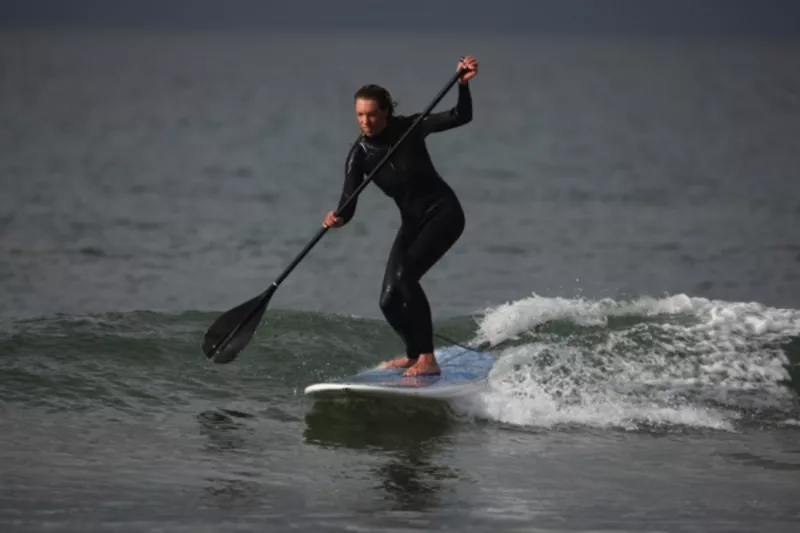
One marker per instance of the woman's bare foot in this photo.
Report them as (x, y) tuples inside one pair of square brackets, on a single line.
[(426, 365), (400, 362)]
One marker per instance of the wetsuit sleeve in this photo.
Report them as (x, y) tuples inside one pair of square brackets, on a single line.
[(452, 118), (353, 177)]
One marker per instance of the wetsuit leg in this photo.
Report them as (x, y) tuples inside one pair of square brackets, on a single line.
[(414, 252), (392, 303)]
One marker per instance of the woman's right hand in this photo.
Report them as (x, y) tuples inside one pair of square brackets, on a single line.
[(332, 221)]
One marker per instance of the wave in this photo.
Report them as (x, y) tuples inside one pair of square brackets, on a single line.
[(671, 362), (676, 361)]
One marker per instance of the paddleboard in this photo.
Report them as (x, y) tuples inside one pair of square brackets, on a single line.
[(463, 372)]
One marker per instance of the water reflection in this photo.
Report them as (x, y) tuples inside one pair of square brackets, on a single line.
[(234, 486), (224, 428), (407, 434), (767, 463)]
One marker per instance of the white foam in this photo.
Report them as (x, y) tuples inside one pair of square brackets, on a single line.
[(509, 320), (653, 372)]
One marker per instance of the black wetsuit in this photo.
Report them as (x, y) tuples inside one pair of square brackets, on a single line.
[(431, 215)]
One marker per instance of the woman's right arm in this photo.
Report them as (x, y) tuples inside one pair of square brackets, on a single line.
[(353, 177)]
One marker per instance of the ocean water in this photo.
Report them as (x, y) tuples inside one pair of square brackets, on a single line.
[(631, 252)]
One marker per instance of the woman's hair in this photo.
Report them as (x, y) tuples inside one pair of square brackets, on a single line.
[(378, 94)]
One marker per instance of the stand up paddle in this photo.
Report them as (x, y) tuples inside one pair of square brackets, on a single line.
[(231, 332)]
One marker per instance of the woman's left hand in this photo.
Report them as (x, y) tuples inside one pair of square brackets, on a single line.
[(469, 63)]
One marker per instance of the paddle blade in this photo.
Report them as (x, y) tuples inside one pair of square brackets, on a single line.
[(231, 332)]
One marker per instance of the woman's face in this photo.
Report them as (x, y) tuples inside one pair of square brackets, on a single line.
[(371, 118)]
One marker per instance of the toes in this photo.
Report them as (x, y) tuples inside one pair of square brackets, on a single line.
[(412, 372)]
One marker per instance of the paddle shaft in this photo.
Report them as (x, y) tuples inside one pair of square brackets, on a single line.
[(368, 179)]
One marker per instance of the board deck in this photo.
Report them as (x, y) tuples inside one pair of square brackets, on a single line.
[(463, 372)]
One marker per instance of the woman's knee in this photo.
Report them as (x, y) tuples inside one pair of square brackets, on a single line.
[(391, 291)]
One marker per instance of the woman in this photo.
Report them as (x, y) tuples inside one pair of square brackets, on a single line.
[(431, 216)]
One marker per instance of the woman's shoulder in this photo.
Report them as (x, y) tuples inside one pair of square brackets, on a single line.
[(357, 148), (406, 120)]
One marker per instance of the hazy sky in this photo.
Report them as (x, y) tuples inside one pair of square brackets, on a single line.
[(642, 16)]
